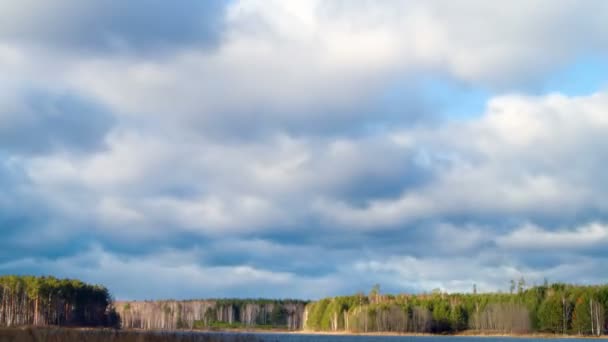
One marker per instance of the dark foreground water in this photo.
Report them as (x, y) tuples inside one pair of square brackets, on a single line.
[(340, 338)]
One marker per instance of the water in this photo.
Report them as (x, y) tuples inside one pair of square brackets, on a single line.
[(358, 338)]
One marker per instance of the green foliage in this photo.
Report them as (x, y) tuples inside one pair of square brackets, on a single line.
[(441, 317), (230, 326), (278, 317), (29, 300), (317, 313), (553, 308), (227, 314), (551, 315), (459, 318), (581, 320)]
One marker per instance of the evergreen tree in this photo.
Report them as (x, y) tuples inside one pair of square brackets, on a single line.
[(550, 315), (581, 320)]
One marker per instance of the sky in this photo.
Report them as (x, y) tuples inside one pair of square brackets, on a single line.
[(302, 149)]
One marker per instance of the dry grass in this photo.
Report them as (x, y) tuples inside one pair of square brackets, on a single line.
[(105, 335)]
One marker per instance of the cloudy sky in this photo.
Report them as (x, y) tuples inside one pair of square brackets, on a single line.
[(262, 148)]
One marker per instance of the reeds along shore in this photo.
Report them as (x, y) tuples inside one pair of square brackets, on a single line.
[(37, 334)]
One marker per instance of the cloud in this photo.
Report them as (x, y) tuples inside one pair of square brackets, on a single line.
[(459, 274), (453, 191), (317, 68), (301, 146), (100, 26), (425, 35), (126, 274), (510, 161), (346, 54), (34, 121), (531, 237)]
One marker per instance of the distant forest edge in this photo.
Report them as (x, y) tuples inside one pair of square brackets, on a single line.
[(213, 314), (549, 308), (41, 301)]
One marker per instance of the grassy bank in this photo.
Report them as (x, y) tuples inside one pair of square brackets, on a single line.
[(109, 335)]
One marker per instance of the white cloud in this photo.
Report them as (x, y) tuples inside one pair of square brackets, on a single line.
[(490, 271), (524, 156), (271, 142), (531, 237), (176, 274), (290, 64)]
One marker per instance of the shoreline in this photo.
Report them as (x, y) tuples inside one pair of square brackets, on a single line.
[(466, 333)]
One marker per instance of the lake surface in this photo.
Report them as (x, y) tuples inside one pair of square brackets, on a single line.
[(358, 338), (79, 335)]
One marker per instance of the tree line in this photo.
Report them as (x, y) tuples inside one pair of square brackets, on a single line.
[(29, 300), (549, 308), (212, 314)]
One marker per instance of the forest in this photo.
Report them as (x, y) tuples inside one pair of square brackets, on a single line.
[(549, 308), (213, 314), (41, 301)]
